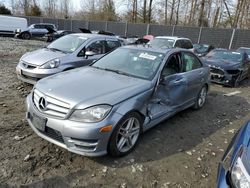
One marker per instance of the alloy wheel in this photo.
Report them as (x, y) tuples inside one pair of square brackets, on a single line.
[(128, 134), (202, 96)]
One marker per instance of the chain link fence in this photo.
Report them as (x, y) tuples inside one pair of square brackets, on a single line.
[(221, 38)]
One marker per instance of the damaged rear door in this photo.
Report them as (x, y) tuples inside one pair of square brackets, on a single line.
[(170, 92)]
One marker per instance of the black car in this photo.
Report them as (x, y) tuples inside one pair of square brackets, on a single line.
[(35, 30), (227, 67), (202, 49)]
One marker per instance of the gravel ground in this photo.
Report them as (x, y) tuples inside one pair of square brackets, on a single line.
[(183, 151)]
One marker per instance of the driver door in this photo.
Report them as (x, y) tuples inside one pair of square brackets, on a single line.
[(169, 95)]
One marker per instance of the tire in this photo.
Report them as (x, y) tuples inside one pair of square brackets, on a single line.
[(49, 39), (125, 135), (201, 98), (26, 36), (237, 80)]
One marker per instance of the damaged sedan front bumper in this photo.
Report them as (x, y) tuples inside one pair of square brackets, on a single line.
[(225, 77)]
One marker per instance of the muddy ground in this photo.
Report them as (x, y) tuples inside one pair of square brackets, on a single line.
[(183, 151)]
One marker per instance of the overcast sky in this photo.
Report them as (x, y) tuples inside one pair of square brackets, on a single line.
[(121, 5)]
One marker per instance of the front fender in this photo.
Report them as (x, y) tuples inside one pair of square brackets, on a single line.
[(136, 103)]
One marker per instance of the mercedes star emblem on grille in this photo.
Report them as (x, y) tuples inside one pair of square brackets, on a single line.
[(42, 103)]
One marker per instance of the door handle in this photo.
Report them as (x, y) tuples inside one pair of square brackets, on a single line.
[(178, 81), (201, 73)]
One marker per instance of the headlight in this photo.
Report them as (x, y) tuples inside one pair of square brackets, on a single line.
[(21, 62), (51, 64), (92, 114), (239, 174)]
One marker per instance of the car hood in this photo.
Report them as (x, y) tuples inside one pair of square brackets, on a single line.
[(221, 63), (41, 56), (89, 86)]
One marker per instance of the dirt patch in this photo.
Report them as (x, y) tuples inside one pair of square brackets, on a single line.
[(183, 151)]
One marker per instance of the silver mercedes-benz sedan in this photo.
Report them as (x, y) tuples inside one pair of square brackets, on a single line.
[(103, 108), (68, 52)]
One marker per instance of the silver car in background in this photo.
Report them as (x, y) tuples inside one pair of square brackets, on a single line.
[(103, 108), (68, 52)]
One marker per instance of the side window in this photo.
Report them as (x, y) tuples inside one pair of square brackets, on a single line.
[(178, 44), (188, 44), (49, 26), (112, 45), (37, 26), (172, 66), (190, 62), (97, 47)]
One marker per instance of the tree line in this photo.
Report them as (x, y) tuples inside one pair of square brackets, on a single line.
[(202, 13)]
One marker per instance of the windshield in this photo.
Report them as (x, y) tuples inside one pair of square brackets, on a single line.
[(201, 48), (131, 62), (67, 44), (161, 43), (225, 55)]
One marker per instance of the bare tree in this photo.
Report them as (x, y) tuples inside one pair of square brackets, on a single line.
[(172, 12), (50, 7), (177, 13), (65, 8), (166, 12), (150, 11), (144, 11)]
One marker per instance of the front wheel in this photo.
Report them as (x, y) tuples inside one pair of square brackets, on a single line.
[(125, 135), (26, 36), (49, 39), (201, 98)]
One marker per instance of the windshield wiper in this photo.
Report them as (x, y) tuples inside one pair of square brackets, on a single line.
[(112, 70), (55, 49), (118, 72)]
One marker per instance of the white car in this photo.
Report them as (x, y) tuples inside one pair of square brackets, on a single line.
[(171, 42), (8, 24)]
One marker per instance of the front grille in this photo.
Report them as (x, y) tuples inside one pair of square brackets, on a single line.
[(51, 133), (52, 106), (28, 66), (216, 71)]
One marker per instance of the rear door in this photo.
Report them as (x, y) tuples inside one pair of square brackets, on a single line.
[(39, 30), (194, 71)]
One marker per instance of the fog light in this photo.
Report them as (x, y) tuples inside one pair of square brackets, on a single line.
[(105, 129)]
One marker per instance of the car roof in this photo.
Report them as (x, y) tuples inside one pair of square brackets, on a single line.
[(244, 48), (42, 24), (90, 35), (172, 37), (151, 49)]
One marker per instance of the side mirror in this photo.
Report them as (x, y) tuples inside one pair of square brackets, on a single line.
[(89, 53)]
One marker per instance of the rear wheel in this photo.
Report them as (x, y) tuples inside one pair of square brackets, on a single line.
[(26, 36), (201, 98), (125, 135)]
